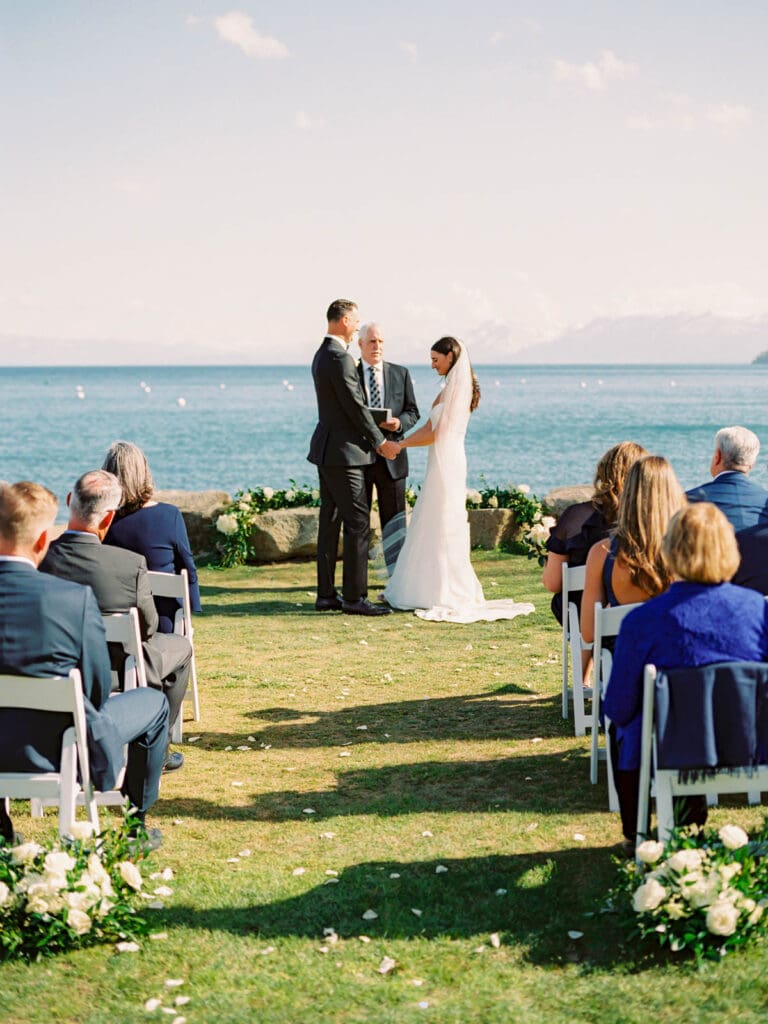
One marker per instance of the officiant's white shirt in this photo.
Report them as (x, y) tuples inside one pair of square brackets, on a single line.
[(378, 371)]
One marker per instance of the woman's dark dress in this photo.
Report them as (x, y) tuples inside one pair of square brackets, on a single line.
[(158, 532), (577, 529)]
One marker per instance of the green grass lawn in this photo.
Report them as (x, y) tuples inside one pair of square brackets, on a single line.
[(416, 746)]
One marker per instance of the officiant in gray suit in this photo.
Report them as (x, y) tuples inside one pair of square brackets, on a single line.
[(388, 386)]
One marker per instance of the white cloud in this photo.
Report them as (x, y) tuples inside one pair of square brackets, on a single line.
[(411, 50), (729, 115), (238, 29), (306, 123), (595, 74), (192, 19)]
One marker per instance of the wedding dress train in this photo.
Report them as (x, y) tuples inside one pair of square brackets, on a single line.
[(433, 574)]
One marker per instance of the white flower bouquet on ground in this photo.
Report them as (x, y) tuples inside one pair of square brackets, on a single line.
[(67, 893), (704, 892)]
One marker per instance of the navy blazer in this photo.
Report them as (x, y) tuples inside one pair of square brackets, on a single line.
[(346, 433), (744, 503), (47, 627), (753, 548), (689, 625), (399, 397)]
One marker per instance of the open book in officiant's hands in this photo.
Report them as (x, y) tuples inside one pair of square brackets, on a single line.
[(380, 415)]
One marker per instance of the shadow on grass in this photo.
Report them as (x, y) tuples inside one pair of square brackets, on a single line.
[(534, 785), (464, 717), (531, 900)]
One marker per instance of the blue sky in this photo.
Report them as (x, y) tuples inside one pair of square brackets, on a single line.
[(195, 181)]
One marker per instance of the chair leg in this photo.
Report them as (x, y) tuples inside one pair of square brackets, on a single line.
[(665, 813), (67, 783), (193, 685)]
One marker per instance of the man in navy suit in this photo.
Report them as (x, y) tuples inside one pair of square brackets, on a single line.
[(50, 626), (386, 386), (744, 503), (344, 442)]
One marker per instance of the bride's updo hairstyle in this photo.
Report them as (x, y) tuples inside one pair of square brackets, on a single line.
[(449, 346)]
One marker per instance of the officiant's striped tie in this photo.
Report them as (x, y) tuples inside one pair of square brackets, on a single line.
[(373, 387)]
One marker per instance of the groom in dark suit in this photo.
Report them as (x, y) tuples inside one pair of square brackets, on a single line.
[(388, 386), (345, 441)]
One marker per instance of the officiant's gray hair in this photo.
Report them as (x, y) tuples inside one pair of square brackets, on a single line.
[(738, 446), (362, 334)]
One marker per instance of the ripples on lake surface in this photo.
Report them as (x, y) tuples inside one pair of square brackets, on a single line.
[(249, 426)]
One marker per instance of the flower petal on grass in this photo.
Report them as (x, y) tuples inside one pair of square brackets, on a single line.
[(345, 753), (174, 982), (361, 728), (387, 965), (427, 834), (363, 643), (151, 1005), (266, 951), (158, 936), (440, 869), (500, 892), (394, 874), (156, 905), (324, 949), (479, 949), (495, 940), (233, 860), (237, 783), (163, 890), (370, 915), (578, 837), (309, 810), (537, 739), (244, 853), (251, 739), (182, 1000), (532, 827), (178, 821), (416, 911), (193, 739), (575, 935), (127, 947), (299, 871), (364, 938), (327, 835), (244, 747)]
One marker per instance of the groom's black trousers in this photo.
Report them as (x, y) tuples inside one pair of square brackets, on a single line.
[(343, 499)]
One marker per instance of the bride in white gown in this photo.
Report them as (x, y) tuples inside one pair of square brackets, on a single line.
[(433, 574)]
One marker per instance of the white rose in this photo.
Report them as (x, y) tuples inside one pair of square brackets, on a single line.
[(244, 505), (733, 837), (5, 894), (685, 860), (722, 918), (81, 830), (290, 495), (55, 882), (524, 488), (226, 524), (538, 534), (727, 871), (25, 853), (130, 874), (104, 907), (77, 900), (548, 521), (79, 921), (650, 851), (493, 501), (648, 896), (38, 905), (475, 497), (58, 862), (315, 495), (755, 915), (267, 492), (96, 870), (702, 892)]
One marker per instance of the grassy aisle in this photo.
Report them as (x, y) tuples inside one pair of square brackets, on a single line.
[(447, 795)]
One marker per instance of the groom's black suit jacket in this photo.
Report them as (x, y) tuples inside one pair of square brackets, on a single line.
[(346, 433), (399, 397)]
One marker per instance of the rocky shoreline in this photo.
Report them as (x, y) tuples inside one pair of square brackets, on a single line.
[(284, 534)]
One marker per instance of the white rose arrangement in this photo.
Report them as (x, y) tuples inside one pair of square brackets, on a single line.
[(69, 892), (704, 892)]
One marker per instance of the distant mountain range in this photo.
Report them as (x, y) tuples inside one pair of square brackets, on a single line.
[(651, 339)]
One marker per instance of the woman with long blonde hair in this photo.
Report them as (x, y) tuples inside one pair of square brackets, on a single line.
[(630, 566)]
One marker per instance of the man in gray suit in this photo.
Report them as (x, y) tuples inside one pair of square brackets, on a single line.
[(119, 581), (50, 626), (389, 386), (344, 442)]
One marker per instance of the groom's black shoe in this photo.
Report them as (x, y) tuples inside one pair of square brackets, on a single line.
[(328, 604), (363, 607)]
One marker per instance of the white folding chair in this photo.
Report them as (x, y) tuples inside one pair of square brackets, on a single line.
[(607, 624), (673, 779), (573, 690), (61, 787), (123, 628), (168, 584)]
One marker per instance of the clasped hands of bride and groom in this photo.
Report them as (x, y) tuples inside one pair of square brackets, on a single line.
[(433, 574)]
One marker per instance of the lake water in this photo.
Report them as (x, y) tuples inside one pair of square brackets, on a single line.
[(244, 426)]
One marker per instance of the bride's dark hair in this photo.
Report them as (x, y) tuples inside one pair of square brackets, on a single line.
[(449, 346)]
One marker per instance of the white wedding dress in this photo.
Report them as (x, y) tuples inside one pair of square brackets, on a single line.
[(433, 574)]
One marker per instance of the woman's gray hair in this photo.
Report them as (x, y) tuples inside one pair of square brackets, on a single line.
[(129, 464), (738, 446)]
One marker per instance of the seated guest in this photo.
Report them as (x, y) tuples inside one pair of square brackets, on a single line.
[(50, 626), (585, 523), (700, 620), (630, 566), (153, 529), (118, 579), (743, 502), (753, 549)]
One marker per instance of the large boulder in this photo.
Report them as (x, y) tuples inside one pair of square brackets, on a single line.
[(561, 498), (489, 528), (285, 533), (200, 510)]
